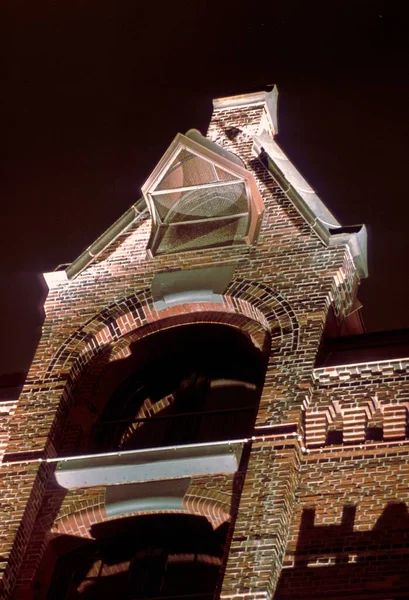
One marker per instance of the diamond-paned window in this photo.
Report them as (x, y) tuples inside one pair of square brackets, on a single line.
[(201, 196)]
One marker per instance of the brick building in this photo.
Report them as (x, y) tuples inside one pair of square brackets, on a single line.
[(204, 417)]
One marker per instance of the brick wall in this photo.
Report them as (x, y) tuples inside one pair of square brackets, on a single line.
[(350, 529), (349, 535), (281, 291)]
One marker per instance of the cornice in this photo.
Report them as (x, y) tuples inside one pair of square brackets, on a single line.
[(367, 370)]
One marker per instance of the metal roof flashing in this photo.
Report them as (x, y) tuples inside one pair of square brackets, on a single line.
[(150, 464), (55, 278), (357, 242), (309, 205)]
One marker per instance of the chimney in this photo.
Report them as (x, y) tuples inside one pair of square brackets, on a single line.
[(237, 119)]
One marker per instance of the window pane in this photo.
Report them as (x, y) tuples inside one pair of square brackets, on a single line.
[(202, 235)]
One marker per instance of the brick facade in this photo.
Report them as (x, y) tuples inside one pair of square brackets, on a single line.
[(320, 511)]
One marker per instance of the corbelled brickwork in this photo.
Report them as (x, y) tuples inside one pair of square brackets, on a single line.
[(324, 475), (349, 535)]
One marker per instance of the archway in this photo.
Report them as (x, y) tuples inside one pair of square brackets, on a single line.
[(186, 384), (154, 556), (183, 383)]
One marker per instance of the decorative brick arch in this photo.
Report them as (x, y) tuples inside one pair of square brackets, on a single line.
[(212, 504), (199, 502), (252, 307), (276, 310), (264, 308), (96, 382), (76, 518)]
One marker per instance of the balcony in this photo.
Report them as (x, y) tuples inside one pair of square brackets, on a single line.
[(175, 429), (164, 447)]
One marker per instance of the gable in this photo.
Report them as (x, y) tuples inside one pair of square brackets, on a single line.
[(201, 195)]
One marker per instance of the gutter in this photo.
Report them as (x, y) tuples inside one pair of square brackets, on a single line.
[(137, 212)]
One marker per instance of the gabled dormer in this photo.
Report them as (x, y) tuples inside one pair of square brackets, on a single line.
[(201, 196)]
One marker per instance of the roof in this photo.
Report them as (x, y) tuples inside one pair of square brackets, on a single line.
[(303, 197), (309, 205)]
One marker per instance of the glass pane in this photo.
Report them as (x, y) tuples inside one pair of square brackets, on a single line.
[(202, 203), (203, 235), (188, 170)]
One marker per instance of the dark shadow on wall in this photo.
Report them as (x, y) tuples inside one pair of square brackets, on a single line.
[(150, 556), (334, 561)]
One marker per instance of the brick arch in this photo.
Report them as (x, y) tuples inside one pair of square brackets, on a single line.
[(265, 309), (254, 308), (190, 314), (87, 512), (212, 504), (203, 503), (98, 382), (275, 308)]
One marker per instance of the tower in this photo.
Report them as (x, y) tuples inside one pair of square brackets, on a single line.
[(175, 438)]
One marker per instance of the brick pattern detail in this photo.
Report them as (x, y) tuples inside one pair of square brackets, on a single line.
[(346, 285), (395, 422), (282, 289), (7, 410), (261, 530), (354, 420), (316, 427), (365, 371), (350, 523)]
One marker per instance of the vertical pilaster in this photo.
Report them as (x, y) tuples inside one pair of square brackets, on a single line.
[(261, 532)]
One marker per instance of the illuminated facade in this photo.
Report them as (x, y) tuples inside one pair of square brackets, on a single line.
[(193, 425)]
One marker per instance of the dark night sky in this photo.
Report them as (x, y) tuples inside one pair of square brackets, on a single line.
[(94, 91)]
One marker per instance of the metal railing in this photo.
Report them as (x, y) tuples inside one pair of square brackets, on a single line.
[(173, 429)]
